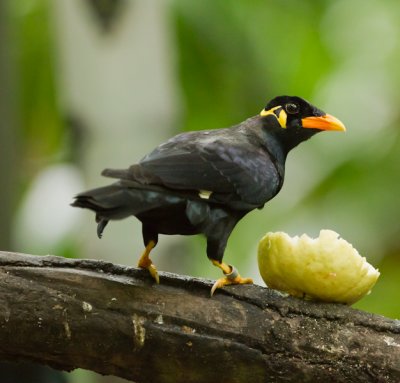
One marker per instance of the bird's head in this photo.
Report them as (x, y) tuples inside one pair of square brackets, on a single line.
[(295, 114)]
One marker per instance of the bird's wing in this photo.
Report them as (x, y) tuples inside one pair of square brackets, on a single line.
[(213, 162)]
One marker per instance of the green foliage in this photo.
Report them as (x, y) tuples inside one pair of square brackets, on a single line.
[(42, 129)]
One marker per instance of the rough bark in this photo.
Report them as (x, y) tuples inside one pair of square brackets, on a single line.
[(114, 320)]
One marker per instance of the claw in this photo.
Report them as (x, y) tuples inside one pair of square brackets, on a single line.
[(154, 273), (146, 263), (232, 278)]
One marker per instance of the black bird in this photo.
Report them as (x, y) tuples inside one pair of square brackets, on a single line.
[(206, 181)]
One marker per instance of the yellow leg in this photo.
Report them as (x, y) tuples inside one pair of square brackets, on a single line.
[(232, 277), (146, 263)]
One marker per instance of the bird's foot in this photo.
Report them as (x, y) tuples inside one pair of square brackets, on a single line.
[(149, 265), (231, 278), (146, 263)]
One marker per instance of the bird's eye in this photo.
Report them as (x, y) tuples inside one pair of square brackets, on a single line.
[(291, 108)]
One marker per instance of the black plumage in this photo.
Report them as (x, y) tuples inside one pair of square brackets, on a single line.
[(206, 181)]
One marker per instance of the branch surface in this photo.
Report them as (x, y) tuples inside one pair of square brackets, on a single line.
[(114, 320)]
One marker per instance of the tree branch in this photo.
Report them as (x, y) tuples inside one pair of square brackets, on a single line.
[(114, 320)]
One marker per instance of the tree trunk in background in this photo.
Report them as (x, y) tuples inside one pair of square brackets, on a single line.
[(8, 127), (117, 85)]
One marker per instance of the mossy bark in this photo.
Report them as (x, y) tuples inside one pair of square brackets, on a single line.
[(115, 320)]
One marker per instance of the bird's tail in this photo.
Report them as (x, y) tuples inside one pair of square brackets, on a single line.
[(123, 199), (107, 202)]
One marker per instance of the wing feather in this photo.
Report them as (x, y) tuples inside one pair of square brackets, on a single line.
[(220, 161)]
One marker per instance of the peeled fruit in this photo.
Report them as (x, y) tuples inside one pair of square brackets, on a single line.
[(327, 268)]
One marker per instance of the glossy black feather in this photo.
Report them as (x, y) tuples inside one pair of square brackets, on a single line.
[(241, 168)]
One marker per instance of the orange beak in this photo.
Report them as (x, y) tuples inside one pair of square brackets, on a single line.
[(326, 122)]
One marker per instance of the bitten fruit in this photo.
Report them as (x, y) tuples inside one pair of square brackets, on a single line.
[(327, 268)]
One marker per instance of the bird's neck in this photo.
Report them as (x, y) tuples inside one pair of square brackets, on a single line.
[(282, 143), (278, 144), (300, 136), (277, 151)]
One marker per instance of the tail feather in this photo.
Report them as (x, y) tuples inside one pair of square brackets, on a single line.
[(123, 174), (101, 226), (108, 202), (123, 199), (135, 173)]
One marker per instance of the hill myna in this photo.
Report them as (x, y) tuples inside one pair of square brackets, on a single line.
[(206, 181)]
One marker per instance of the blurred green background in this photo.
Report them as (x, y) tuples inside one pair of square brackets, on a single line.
[(89, 84)]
